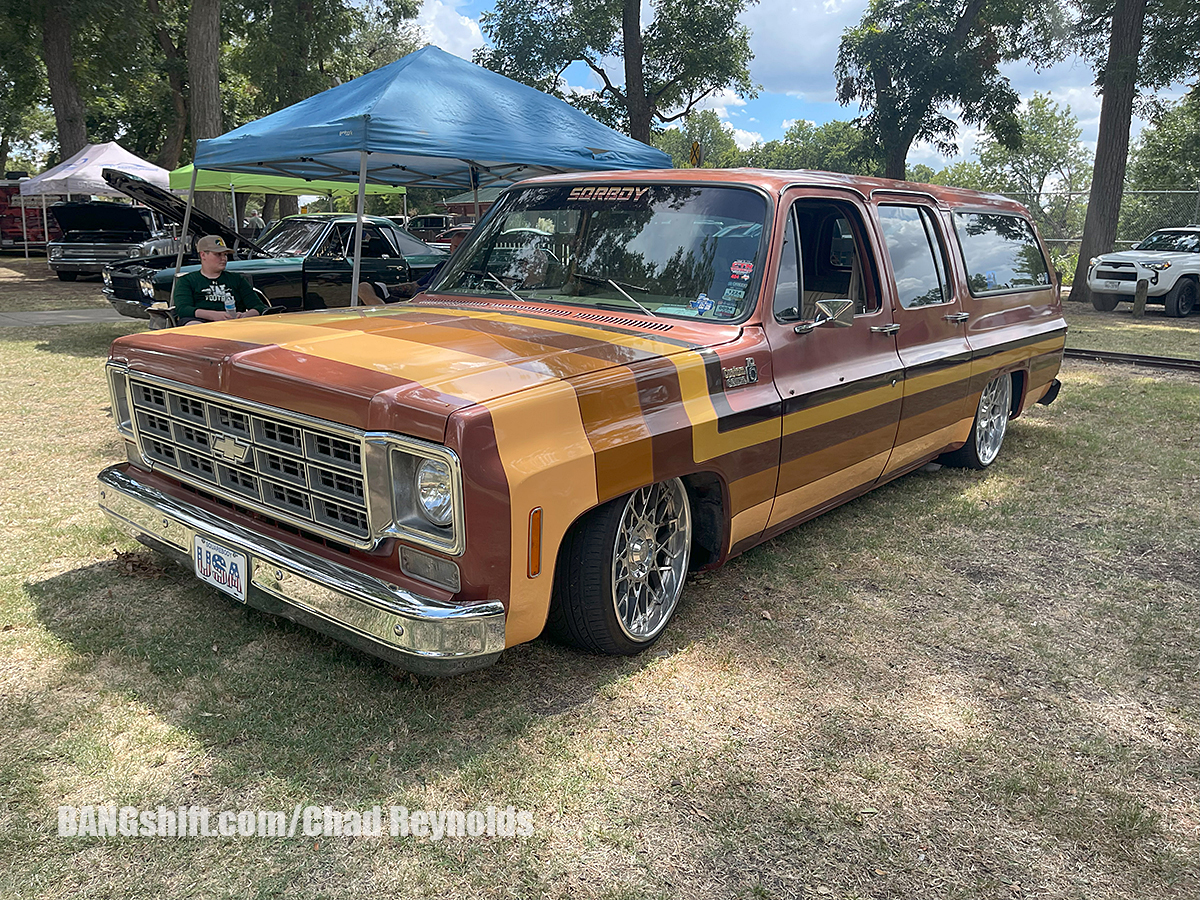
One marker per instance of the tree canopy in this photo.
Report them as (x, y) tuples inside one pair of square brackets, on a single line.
[(688, 51), (908, 61)]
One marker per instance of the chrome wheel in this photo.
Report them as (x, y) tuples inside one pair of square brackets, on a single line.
[(991, 421), (650, 558)]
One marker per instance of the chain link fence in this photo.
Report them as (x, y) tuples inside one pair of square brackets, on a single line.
[(1060, 216)]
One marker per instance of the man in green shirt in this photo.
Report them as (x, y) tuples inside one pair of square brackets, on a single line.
[(205, 296)]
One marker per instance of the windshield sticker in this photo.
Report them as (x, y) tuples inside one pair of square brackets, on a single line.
[(677, 311), (741, 268), (701, 303), (734, 293), (607, 193), (725, 310)]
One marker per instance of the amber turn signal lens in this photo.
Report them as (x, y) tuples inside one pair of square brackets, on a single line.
[(535, 543)]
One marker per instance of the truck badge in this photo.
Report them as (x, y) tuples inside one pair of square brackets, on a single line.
[(230, 449)]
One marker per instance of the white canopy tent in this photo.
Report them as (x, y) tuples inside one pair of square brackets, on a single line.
[(81, 174)]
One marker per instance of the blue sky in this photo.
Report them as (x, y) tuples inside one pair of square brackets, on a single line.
[(795, 46)]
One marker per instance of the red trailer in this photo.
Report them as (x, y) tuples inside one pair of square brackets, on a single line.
[(12, 235)]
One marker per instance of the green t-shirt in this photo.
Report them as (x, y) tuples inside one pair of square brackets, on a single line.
[(195, 290)]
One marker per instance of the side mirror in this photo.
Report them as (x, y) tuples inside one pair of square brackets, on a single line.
[(837, 313)]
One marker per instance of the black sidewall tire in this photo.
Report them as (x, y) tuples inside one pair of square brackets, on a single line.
[(583, 610), (1181, 300), (67, 276), (1103, 302), (967, 456)]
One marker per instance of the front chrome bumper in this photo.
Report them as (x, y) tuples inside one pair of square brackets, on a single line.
[(131, 308), (414, 632)]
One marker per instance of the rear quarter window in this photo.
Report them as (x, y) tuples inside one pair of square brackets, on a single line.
[(1001, 253)]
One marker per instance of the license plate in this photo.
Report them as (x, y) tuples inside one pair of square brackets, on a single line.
[(1112, 284), (221, 567)]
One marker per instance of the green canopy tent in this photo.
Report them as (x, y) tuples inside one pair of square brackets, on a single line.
[(261, 183)]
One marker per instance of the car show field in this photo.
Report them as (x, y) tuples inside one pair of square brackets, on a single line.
[(1007, 707)]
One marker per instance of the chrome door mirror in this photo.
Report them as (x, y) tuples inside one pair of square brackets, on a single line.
[(837, 313)]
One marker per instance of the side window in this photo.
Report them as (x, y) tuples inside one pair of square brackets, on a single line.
[(832, 261), (374, 244), (1000, 252), (787, 287), (917, 257), (331, 247)]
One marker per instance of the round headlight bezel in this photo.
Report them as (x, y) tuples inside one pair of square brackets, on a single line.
[(433, 487)]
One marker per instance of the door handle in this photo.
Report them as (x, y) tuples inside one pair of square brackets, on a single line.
[(885, 329), (957, 317)]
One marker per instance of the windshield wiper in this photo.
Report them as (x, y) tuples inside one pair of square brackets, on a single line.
[(620, 289), (485, 274)]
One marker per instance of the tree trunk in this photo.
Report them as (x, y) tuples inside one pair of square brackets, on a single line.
[(641, 115), (270, 204), (289, 206), (60, 73), (204, 81), (172, 148), (1119, 84)]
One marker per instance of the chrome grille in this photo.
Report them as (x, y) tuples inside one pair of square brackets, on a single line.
[(258, 457)]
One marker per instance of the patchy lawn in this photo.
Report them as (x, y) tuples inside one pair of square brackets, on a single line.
[(1118, 331), (28, 285), (967, 685)]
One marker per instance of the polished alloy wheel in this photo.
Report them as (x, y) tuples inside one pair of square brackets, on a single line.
[(991, 422), (650, 558)]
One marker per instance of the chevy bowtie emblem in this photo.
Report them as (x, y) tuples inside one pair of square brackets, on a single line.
[(230, 449)]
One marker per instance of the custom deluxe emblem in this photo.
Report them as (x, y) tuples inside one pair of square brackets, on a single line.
[(736, 376), (230, 449)]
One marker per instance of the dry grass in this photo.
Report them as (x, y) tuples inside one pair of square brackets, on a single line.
[(28, 285), (961, 685), (1153, 335)]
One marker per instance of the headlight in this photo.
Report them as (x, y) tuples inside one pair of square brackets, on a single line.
[(435, 492), (55, 252), (1093, 261), (147, 287), (136, 251), (1156, 266), (107, 276)]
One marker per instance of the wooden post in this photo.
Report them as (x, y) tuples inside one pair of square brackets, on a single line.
[(1139, 298)]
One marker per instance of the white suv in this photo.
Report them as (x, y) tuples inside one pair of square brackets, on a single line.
[(1169, 259)]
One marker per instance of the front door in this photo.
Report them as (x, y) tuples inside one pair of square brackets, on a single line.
[(932, 334), (840, 386), (328, 271)]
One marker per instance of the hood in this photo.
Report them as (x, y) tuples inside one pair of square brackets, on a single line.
[(114, 217), (173, 208), (403, 369), (1133, 256)]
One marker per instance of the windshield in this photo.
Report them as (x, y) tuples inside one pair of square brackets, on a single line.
[(291, 237), (1172, 241), (665, 250)]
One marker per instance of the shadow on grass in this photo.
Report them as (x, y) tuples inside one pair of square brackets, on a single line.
[(84, 341)]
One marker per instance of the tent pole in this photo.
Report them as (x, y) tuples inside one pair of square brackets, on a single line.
[(24, 227), (46, 224), (475, 188), (232, 205), (406, 208), (183, 238), (358, 226)]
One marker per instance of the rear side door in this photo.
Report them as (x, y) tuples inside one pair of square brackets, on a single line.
[(840, 386), (930, 330)]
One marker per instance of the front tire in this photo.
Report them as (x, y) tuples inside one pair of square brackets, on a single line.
[(67, 276), (1181, 299), (1105, 302), (621, 571), (989, 427)]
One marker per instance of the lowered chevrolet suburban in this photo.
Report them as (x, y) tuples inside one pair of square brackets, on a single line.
[(619, 379)]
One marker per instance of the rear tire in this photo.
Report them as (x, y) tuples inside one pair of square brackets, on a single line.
[(621, 571), (1105, 302), (989, 427), (1181, 299), (67, 276)]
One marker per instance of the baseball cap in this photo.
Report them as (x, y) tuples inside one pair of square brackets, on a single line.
[(213, 243)]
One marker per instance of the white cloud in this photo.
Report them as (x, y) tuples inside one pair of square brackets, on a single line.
[(720, 102), (443, 26), (746, 139)]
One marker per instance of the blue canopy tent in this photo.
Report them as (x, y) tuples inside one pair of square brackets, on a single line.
[(427, 120)]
